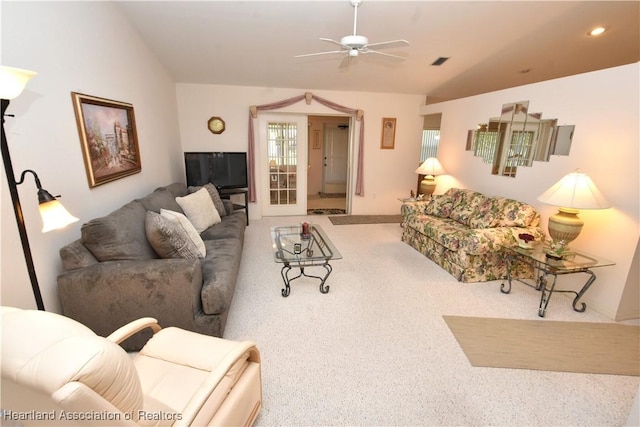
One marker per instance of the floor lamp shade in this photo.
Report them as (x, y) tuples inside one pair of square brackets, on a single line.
[(13, 81), (573, 192), (430, 168), (54, 215)]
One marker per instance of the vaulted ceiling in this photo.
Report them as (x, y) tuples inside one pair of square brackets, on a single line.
[(491, 45)]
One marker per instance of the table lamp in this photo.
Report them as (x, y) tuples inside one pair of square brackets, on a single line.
[(429, 168), (573, 192), (54, 215)]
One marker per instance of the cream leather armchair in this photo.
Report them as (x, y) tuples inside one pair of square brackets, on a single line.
[(56, 371)]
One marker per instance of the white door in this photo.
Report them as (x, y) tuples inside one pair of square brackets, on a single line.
[(283, 159), (336, 158)]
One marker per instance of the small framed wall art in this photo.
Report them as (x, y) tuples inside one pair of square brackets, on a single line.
[(388, 133), (108, 138), (316, 139)]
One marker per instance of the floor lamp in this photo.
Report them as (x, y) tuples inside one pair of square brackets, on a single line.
[(54, 215)]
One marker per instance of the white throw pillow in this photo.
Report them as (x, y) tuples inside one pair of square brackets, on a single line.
[(188, 228), (200, 210)]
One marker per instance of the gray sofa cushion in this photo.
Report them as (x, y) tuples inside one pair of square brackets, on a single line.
[(231, 226), (161, 198), (120, 235), (178, 189), (219, 272), (76, 255)]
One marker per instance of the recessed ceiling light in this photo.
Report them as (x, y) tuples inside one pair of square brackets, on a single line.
[(597, 31)]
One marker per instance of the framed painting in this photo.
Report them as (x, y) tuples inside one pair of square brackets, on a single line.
[(108, 138), (388, 133)]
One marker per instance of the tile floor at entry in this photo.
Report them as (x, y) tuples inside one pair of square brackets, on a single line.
[(317, 202)]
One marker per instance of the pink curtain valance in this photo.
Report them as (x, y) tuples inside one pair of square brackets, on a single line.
[(308, 97)]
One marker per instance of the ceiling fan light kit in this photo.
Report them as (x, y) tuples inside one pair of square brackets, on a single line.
[(353, 45)]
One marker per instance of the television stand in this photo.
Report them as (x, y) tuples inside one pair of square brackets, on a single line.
[(228, 192)]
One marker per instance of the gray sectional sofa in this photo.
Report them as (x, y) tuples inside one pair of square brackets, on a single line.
[(113, 274)]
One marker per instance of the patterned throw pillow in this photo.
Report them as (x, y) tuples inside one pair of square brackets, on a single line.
[(485, 215), (467, 208), (187, 227), (215, 197), (513, 213), (169, 239), (439, 205), (199, 208)]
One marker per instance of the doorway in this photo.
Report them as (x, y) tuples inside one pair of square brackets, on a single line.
[(283, 153), (328, 164)]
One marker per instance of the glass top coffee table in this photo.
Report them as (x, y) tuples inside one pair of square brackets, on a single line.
[(297, 250), (572, 262)]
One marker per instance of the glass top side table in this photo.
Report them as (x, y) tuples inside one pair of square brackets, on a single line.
[(572, 262)]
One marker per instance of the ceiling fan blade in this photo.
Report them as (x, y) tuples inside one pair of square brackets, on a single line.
[(319, 53), (391, 43), (334, 42), (345, 62), (382, 53)]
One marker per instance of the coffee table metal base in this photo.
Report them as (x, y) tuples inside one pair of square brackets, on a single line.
[(287, 280)]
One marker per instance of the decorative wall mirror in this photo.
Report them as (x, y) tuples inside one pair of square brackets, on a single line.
[(517, 138)]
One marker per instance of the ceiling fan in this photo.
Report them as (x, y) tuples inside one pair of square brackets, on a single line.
[(353, 45)]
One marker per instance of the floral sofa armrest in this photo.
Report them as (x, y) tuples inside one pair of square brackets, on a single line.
[(413, 208)]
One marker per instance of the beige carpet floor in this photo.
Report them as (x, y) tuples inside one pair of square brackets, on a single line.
[(585, 347), (364, 219), (376, 351)]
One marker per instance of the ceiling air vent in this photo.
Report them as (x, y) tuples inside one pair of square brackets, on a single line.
[(440, 61)]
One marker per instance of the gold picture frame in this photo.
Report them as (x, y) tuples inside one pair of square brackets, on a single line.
[(388, 141), (108, 138)]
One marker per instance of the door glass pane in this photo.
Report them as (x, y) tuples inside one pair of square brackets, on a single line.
[(283, 162)]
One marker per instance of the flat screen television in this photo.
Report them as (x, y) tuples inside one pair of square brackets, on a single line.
[(224, 170)]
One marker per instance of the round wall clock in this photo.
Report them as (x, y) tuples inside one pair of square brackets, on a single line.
[(216, 125)]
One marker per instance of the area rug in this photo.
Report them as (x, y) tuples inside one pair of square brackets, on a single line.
[(332, 211), (592, 348), (364, 219)]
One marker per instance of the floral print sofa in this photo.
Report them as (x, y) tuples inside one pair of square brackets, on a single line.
[(465, 232)]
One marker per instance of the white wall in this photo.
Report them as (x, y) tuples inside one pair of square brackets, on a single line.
[(605, 108), (86, 47), (386, 172)]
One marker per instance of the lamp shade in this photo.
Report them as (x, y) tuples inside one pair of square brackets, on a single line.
[(431, 166), (13, 81), (577, 191), (54, 215)]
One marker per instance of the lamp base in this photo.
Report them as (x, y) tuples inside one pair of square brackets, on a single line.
[(428, 185), (564, 226)]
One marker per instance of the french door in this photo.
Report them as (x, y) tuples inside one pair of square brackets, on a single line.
[(283, 159)]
